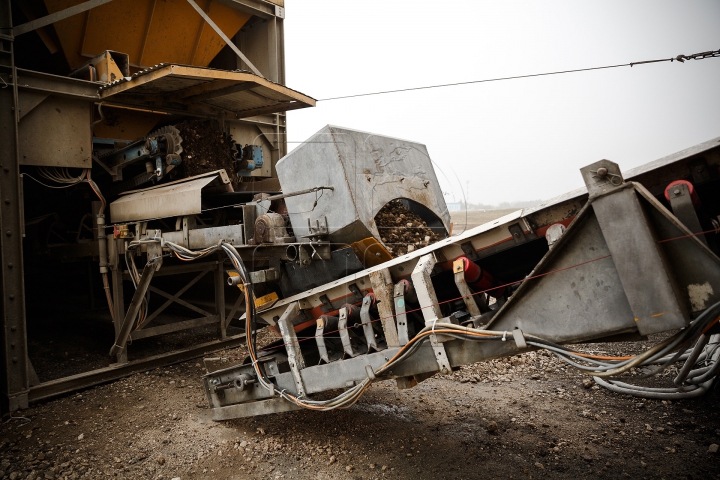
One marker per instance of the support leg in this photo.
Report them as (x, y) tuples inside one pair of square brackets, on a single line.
[(14, 378)]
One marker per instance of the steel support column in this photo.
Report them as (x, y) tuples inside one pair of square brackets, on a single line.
[(15, 378)]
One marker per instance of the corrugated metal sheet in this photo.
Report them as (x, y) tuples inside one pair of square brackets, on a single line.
[(183, 88)]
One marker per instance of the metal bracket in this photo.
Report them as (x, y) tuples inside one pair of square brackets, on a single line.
[(517, 233), (469, 250), (327, 305), (263, 276), (318, 230), (320, 340), (602, 177), (154, 251), (425, 290), (400, 316), (699, 171), (462, 286), (519, 339), (429, 306), (295, 356), (357, 294), (683, 208), (367, 323), (345, 333)]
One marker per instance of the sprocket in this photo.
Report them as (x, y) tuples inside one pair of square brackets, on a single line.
[(173, 138)]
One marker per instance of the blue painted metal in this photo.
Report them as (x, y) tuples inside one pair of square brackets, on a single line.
[(251, 159)]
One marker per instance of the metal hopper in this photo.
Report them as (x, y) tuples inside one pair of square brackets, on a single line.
[(366, 171)]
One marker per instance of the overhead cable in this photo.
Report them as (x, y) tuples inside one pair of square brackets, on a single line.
[(679, 58)]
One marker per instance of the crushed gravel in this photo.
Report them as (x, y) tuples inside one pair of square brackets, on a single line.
[(401, 230), (206, 148), (528, 416)]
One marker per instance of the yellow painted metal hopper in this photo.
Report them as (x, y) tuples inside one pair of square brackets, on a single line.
[(149, 31)]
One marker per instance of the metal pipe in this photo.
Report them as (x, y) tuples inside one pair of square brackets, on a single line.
[(135, 304), (102, 242), (300, 192)]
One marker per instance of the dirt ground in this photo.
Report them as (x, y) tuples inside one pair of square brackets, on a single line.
[(524, 417)]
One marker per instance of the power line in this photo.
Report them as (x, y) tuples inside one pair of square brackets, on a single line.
[(679, 58)]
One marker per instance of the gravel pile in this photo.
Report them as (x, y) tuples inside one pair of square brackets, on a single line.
[(206, 148), (401, 230)]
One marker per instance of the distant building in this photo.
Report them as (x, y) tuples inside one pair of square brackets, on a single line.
[(454, 207)]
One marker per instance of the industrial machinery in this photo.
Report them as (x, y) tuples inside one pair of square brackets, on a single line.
[(146, 140), (143, 148), (108, 102), (627, 256)]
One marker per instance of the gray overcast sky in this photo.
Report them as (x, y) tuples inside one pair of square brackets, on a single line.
[(518, 139)]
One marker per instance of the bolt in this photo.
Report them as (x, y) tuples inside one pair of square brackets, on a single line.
[(14, 359), (602, 171), (10, 265), (7, 201), (677, 191), (12, 297), (8, 233), (13, 328)]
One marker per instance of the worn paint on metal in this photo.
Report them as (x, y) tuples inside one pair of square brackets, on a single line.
[(149, 31)]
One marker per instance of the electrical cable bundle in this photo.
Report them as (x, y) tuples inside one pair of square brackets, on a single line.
[(61, 175)]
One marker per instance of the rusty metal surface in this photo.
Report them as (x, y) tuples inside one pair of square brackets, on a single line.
[(149, 31), (203, 91), (179, 198), (14, 363), (56, 133)]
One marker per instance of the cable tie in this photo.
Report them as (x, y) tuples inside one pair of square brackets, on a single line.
[(504, 339)]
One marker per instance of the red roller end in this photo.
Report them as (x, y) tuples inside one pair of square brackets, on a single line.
[(693, 194)]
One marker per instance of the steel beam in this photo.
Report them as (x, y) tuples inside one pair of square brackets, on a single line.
[(225, 38), (115, 371), (651, 290), (57, 16), (15, 378), (173, 327), (142, 287)]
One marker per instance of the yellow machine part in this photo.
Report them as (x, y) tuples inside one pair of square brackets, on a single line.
[(370, 252), (149, 31), (260, 302)]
